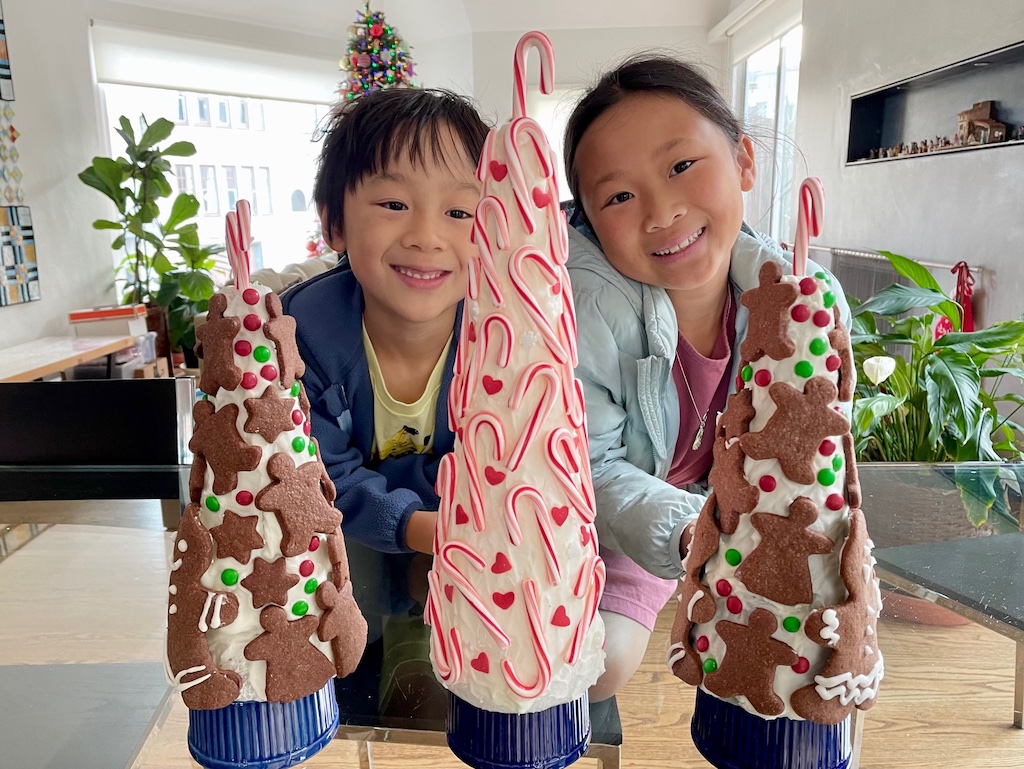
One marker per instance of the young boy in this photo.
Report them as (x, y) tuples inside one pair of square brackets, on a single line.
[(396, 190)]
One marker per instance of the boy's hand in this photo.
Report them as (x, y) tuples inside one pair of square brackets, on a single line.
[(686, 539), (419, 531)]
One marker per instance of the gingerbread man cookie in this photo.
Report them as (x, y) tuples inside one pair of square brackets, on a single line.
[(769, 316), (215, 341)]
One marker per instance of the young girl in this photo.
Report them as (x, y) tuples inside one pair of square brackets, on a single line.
[(658, 165)]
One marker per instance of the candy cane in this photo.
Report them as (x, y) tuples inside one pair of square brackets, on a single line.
[(466, 587), (589, 612), (476, 423), (449, 667), (560, 442), (808, 221), (544, 523), (486, 156), (445, 487), (521, 189), (532, 306), (496, 208), (542, 43), (544, 405), (238, 231), (476, 362), (540, 651)]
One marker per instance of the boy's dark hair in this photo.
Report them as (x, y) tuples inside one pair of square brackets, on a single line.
[(365, 135), (640, 74)]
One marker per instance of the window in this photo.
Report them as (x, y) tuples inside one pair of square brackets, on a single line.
[(248, 188), (222, 114), (767, 83), (256, 115), (186, 179), (231, 186), (298, 200), (263, 190), (242, 120), (202, 111), (210, 200), (182, 115)]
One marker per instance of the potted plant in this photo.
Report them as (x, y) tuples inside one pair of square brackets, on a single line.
[(136, 182), (185, 291), (931, 397)]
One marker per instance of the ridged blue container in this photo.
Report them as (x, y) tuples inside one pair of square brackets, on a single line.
[(263, 735), (731, 738), (550, 739)]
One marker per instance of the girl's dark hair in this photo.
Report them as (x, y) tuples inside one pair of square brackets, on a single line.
[(641, 74), (364, 136)]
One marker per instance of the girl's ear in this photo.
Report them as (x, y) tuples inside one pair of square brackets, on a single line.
[(745, 163), (333, 239)]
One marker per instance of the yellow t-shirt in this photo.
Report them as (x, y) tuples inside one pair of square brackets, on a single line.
[(402, 428)]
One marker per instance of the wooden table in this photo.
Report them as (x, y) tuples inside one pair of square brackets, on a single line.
[(53, 354)]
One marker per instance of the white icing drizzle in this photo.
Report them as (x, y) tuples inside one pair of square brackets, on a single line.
[(173, 589), (182, 545), (176, 565), (217, 604), (831, 620), (676, 652), (172, 609), (693, 602), (180, 686), (202, 617), (849, 688)]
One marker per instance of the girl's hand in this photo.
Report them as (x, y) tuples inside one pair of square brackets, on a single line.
[(686, 539), (419, 531)]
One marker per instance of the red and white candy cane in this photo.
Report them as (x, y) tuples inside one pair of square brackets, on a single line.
[(477, 361), (544, 522), (527, 197), (466, 588), (589, 612), (564, 460), (542, 43), (476, 497), (808, 221), (540, 651), (445, 488), (490, 205), (448, 662), (533, 307), (552, 384), (238, 231)]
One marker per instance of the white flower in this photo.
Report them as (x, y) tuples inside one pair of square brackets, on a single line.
[(879, 368)]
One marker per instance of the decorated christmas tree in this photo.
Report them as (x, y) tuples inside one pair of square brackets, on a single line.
[(377, 57)]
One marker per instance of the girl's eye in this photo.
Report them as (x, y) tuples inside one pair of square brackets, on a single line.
[(681, 166), (457, 213), (394, 205), (620, 197)]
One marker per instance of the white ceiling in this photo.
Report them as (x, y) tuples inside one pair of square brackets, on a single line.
[(438, 19)]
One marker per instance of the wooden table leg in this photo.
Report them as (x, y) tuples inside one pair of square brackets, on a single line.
[(1018, 688), (365, 755)]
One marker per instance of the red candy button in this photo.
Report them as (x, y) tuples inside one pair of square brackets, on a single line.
[(833, 362), (763, 378), (827, 448), (767, 483), (702, 644), (802, 665), (248, 380), (251, 296), (269, 372), (297, 417), (252, 322), (800, 313), (314, 543), (723, 587), (835, 502), (244, 498), (734, 604), (307, 428), (242, 347), (822, 318), (808, 286), (306, 568)]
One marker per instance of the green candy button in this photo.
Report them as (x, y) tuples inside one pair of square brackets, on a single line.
[(830, 299), (791, 624), (733, 557), (710, 666), (295, 389), (299, 444), (804, 369), (212, 504), (312, 449), (837, 462), (229, 576), (311, 586), (261, 353), (826, 477), (818, 346), (299, 608), (747, 373)]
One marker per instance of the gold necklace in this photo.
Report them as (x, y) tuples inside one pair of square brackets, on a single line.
[(703, 419)]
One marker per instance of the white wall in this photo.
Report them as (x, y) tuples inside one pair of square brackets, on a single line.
[(967, 205), (581, 56)]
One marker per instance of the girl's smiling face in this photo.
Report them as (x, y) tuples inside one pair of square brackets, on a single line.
[(663, 186)]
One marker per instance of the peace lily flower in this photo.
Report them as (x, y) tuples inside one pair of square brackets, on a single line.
[(879, 368)]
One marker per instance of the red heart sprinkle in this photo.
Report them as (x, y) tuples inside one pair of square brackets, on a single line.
[(540, 197), (559, 514), (501, 564), (494, 477), (503, 600), (584, 535), (498, 170), (561, 618), (460, 514), (492, 385), (480, 662), (471, 334), (449, 591)]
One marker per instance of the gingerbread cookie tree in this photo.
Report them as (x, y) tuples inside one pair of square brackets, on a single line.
[(260, 614), (515, 632), (779, 602)]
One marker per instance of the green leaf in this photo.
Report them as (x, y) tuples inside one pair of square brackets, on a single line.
[(1006, 334), (104, 175), (169, 289), (863, 324), (952, 383), (196, 286), (162, 264), (896, 300), (106, 224), (159, 130), (923, 278), (127, 131), (994, 371), (185, 207), (118, 242), (180, 149), (880, 339), (977, 490), (868, 411)]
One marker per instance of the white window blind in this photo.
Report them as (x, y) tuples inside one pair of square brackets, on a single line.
[(754, 24)]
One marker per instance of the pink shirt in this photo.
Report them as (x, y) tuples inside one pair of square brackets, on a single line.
[(709, 382)]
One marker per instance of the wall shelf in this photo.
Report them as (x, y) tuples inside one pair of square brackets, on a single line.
[(927, 106)]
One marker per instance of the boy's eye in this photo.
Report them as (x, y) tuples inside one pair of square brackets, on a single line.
[(620, 197), (394, 205), (458, 213), (681, 166)]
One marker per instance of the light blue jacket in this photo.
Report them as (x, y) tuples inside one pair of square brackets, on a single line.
[(627, 342)]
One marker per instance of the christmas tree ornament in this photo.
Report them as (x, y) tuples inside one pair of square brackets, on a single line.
[(377, 56)]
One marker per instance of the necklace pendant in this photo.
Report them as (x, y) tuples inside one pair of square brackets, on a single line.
[(700, 434)]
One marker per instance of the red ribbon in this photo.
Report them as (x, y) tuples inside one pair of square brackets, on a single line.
[(964, 290)]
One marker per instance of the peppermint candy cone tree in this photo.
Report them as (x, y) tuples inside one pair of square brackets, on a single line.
[(260, 613), (779, 603), (515, 632)]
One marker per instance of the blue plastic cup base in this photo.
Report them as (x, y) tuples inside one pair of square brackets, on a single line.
[(263, 735), (550, 739), (731, 738)]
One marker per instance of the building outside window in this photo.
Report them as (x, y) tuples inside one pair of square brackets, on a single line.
[(203, 111), (210, 200), (248, 188), (182, 114), (186, 179), (263, 192), (242, 120), (222, 114), (231, 186)]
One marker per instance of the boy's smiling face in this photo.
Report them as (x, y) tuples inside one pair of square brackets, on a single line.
[(407, 232)]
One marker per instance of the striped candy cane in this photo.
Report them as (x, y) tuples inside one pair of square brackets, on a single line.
[(542, 43), (808, 221), (238, 227)]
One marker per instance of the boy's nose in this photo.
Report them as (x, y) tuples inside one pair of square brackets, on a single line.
[(423, 234), (662, 213)]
